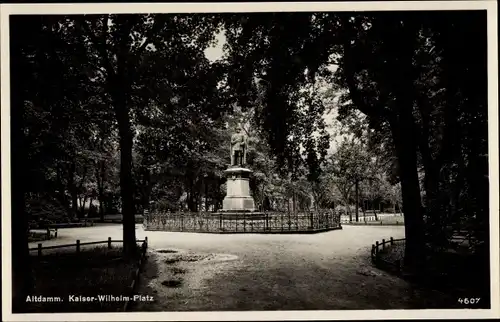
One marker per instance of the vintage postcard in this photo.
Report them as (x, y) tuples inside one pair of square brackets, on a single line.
[(250, 161)]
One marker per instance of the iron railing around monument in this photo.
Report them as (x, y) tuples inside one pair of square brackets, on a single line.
[(262, 222)]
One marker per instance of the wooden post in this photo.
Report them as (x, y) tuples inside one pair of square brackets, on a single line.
[(48, 233), (40, 249), (267, 221), (55, 233), (376, 247), (383, 243), (109, 242), (392, 241), (146, 241), (220, 221), (78, 246)]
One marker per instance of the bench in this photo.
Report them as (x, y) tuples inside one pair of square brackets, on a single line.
[(49, 232)]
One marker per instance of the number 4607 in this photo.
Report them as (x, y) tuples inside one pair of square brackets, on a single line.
[(466, 300)]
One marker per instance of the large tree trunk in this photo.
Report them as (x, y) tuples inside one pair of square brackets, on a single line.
[(403, 129), (126, 180), (406, 151), (22, 278)]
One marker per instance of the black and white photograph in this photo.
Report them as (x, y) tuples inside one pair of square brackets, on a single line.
[(164, 160)]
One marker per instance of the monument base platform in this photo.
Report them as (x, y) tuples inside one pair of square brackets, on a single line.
[(238, 196), (244, 204)]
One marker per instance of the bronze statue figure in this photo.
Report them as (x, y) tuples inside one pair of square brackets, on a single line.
[(238, 149)]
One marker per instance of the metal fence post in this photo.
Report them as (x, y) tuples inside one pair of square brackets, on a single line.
[(383, 243)]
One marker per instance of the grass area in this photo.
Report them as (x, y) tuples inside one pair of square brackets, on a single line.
[(93, 272), (458, 275)]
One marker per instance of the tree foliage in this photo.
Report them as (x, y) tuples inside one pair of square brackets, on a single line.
[(404, 74)]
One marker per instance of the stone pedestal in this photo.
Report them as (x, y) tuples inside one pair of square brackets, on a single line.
[(238, 196)]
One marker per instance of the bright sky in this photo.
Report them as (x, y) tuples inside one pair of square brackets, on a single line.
[(215, 52)]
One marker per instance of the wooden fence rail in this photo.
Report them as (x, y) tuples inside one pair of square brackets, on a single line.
[(78, 245), (379, 247)]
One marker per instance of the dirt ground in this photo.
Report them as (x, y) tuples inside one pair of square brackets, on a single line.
[(212, 272)]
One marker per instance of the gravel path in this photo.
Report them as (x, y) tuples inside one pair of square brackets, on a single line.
[(211, 272)]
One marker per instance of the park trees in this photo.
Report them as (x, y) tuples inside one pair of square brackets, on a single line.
[(386, 64), (127, 55), (81, 86), (140, 86), (49, 129), (351, 164)]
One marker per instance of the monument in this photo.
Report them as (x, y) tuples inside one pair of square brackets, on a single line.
[(238, 198), (238, 213)]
